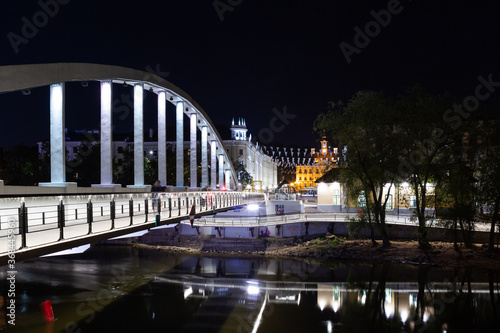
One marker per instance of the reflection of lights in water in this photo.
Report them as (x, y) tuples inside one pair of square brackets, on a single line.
[(298, 300), (404, 316), (253, 290), (259, 317), (188, 292), (426, 317), (329, 327), (322, 305)]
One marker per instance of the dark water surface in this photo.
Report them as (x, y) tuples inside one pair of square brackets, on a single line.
[(120, 289)]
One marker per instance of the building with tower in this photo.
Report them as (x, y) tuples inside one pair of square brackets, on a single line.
[(318, 164), (242, 150)]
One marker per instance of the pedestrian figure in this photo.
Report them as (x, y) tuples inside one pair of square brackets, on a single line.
[(155, 189)]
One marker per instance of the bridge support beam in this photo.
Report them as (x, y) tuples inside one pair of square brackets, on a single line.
[(162, 138), (228, 179), (204, 157), (213, 165), (106, 134), (57, 137), (179, 145), (192, 152), (221, 171), (138, 135)]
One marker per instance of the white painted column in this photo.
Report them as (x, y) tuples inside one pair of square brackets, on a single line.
[(221, 171), (213, 165), (204, 156), (256, 168), (162, 138), (106, 133), (138, 135), (260, 173), (179, 145), (192, 154), (57, 137), (228, 179)]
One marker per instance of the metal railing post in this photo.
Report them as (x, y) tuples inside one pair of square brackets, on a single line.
[(146, 209), (131, 210), (60, 219), (90, 216), (23, 223), (169, 207), (112, 212), (179, 203)]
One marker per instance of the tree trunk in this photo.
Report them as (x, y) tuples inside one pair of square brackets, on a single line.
[(491, 242), (385, 237), (455, 235)]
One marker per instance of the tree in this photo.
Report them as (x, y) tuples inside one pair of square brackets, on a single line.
[(243, 176), (367, 129), (489, 175), (425, 138), (21, 165)]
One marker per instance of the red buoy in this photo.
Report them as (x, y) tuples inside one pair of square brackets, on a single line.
[(46, 308)]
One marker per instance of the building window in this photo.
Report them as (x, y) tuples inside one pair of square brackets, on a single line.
[(120, 161), (75, 150), (241, 152), (388, 205), (362, 199), (120, 150), (336, 197), (413, 201)]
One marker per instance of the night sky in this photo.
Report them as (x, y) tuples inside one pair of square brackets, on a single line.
[(250, 57)]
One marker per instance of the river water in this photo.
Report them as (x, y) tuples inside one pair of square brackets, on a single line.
[(122, 289)]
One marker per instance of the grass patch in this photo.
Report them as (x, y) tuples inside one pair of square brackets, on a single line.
[(323, 243)]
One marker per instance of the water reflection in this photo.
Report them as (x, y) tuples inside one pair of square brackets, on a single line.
[(163, 292)]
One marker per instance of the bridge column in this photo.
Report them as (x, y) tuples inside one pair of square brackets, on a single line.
[(179, 144), (138, 135), (228, 179), (106, 134), (204, 156), (57, 137), (162, 138), (213, 165), (221, 171), (192, 154)]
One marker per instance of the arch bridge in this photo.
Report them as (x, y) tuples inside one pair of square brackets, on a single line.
[(25, 77)]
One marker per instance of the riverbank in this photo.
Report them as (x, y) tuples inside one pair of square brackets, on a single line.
[(333, 248)]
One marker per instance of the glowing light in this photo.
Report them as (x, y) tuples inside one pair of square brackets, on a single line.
[(336, 306), (329, 327), (405, 184), (253, 207), (404, 316), (253, 290), (188, 292)]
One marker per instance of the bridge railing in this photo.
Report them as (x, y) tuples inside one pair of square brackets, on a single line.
[(29, 221), (294, 218)]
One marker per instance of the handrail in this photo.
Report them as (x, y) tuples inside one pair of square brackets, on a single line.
[(33, 222)]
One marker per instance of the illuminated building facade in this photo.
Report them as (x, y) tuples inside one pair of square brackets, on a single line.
[(318, 164)]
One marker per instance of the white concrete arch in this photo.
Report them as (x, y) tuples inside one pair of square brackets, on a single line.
[(20, 77)]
